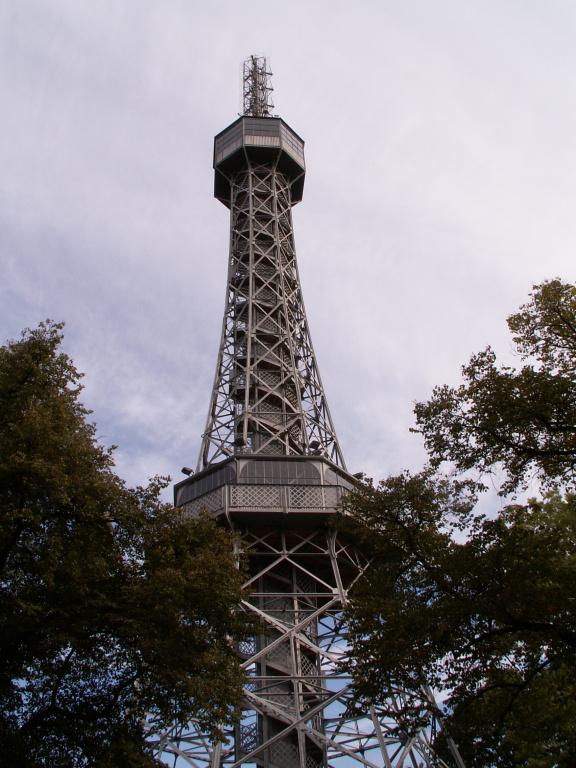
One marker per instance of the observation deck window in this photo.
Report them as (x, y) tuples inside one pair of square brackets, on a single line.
[(208, 483), (280, 473)]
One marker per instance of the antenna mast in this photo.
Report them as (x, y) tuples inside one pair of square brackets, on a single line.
[(257, 87)]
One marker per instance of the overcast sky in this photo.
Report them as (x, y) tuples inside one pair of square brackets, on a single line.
[(441, 185)]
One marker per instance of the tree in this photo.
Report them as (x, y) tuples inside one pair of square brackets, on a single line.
[(522, 422), (482, 608), (113, 606)]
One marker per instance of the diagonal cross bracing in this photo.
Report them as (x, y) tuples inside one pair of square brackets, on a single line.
[(300, 707), (267, 395)]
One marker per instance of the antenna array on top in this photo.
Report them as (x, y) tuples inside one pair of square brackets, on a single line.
[(257, 87)]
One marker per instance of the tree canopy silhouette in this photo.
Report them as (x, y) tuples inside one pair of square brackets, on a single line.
[(114, 607), (482, 607)]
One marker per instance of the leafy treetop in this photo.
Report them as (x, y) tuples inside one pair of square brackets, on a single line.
[(520, 421), (113, 607), (481, 607)]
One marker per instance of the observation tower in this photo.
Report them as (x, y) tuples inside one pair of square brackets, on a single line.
[(271, 469)]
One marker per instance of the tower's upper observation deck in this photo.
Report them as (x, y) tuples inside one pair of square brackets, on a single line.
[(260, 139)]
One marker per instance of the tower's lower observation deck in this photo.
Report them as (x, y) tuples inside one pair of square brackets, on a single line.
[(267, 491)]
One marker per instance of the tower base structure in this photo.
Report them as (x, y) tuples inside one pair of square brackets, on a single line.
[(299, 708)]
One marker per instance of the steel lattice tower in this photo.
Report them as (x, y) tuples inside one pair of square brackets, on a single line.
[(271, 469)]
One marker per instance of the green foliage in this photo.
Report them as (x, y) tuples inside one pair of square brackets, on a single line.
[(482, 608), (112, 605), (490, 619), (520, 421)]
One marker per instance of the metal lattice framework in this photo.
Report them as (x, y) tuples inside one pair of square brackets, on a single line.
[(271, 469), (257, 87), (300, 711), (267, 396)]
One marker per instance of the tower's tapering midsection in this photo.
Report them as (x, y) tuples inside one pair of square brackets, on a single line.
[(267, 397)]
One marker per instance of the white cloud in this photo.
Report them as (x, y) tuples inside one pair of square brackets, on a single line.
[(441, 185)]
